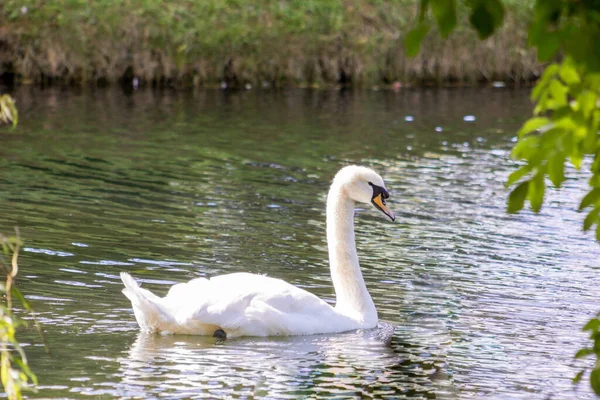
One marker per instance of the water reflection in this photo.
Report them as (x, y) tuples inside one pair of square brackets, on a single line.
[(172, 186), (347, 365)]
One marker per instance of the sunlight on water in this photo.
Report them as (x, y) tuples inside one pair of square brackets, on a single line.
[(473, 303)]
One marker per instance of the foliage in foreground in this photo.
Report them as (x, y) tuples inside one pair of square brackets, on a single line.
[(14, 369), (566, 122), (565, 127), (594, 327)]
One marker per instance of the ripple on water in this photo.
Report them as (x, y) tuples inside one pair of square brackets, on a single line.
[(476, 303)]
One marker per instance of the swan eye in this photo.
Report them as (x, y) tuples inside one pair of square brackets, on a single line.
[(378, 190)]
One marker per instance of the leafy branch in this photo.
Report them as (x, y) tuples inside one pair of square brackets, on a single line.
[(15, 373), (593, 326), (565, 126), (485, 16)]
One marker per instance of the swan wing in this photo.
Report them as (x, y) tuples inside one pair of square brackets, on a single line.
[(246, 304)]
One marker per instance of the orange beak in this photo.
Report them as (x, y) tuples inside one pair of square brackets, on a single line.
[(379, 202)]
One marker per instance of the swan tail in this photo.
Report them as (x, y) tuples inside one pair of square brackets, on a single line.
[(150, 313)]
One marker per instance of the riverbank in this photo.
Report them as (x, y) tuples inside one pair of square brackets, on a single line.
[(239, 43)]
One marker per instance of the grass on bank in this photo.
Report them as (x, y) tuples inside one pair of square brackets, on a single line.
[(240, 42)]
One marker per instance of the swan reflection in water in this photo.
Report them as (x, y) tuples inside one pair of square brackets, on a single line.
[(363, 361)]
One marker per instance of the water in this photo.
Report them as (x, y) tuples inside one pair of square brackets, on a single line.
[(474, 303)]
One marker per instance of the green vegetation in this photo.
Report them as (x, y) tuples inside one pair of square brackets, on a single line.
[(15, 373), (567, 112), (594, 327), (565, 127), (566, 122), (8, 110), (14, 370), (243, 42)]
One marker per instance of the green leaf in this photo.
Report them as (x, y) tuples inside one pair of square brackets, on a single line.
[(548, 74), (591, 198), (581, 39), (578, 377), (590, 219), (533, 124), (518, 174), (542, 104), (486, 17), (569, 74), (595, 380), (552, 139), (18, 295), (526, 147), (26, 370), (537, 188), (556, 168), (596, 119), (548, 46), (413, 39), (598, 232), (596, 164), (566, 123), (590, 142), (539, 90), (576, 159), (444, 12), (586, 102), (544, 16), (559, 92), (584, 352), (536, 31), (592, 325), (516, 199)]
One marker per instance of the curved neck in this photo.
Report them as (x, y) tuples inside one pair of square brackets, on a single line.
[(352, 297)]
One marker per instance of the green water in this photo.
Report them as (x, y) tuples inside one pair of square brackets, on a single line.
[(474, 303)]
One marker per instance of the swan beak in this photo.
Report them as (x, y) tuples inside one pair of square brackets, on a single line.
[(380, 204)]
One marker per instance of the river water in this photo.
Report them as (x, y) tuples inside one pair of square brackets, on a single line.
[(473, 303)]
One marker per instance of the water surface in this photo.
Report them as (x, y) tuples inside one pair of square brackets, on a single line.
[(474, 303)]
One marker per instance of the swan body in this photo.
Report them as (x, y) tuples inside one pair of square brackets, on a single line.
[(244, 304)]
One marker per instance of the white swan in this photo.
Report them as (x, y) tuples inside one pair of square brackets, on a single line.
[(243, 304)]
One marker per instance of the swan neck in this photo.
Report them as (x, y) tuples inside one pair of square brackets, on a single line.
[(352, 297)]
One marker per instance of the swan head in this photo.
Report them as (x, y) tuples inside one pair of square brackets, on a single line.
[(364, 185)]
